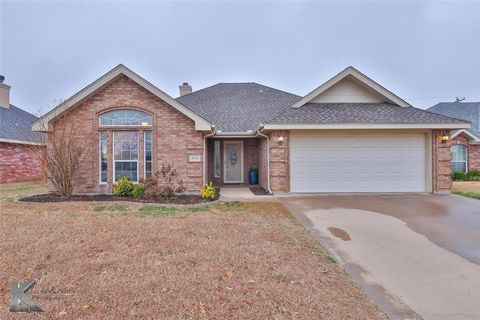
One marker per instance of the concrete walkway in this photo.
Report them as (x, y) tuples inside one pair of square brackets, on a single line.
[(398, 265), (242, 194)]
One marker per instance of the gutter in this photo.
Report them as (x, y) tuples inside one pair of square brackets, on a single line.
[(248, 134), (205, 164)]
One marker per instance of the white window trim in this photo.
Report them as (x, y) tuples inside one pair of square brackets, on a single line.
[(145, 152), (124, 125), (113, 155), (100, 158), (217, 175), (466, 156), (225, 143)]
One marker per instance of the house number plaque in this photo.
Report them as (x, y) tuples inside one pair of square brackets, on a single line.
[(194, 158)]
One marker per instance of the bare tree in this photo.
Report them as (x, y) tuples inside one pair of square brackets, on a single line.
[(63, 155)]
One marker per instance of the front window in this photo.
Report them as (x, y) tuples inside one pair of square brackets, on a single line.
[(216, 158), (125, 155), (103, 156), (148, 153), (125, 117), (459, 158)]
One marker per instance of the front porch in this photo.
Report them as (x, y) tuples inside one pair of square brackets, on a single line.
[(229, 161)]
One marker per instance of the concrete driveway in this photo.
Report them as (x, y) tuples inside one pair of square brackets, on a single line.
[(417, 256)]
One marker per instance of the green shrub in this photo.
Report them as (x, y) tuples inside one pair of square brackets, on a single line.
[(472, 175), (138, 191), (458, 176), (123, 187)]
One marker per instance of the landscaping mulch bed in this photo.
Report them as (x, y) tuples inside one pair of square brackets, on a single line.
[(52, 197)]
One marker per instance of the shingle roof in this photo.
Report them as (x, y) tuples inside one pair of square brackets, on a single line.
[(16, 125), (370, 113), (469, 111), (238, 107)]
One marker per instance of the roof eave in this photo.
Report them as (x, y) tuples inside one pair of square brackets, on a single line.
[(343, 126), (473, 137), (33, 143), (235, 134), (43, 123)]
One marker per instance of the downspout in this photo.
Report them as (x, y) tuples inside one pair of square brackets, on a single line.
[(268, 156), (205, 164)]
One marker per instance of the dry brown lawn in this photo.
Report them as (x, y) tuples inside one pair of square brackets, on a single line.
[(130, 260), (466, 186)]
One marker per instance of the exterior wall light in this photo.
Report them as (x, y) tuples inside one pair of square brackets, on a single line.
[(444, 136), (280, 139), (144, 123)]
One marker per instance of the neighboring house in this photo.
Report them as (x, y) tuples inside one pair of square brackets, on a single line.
[(348, 135), (465, 142), (19, 160)]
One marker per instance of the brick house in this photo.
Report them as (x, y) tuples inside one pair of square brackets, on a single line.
[(465, 142), (19, 159), (348, 135)]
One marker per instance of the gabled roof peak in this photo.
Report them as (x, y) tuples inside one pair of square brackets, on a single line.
[(43, 123), (351, 71)]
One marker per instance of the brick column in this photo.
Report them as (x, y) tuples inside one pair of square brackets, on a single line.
[(441, 166), (279, 161)]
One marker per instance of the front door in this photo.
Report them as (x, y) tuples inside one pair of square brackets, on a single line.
[(233, 162)]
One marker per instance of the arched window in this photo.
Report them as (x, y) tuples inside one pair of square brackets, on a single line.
[(459, 158), (125, 117)]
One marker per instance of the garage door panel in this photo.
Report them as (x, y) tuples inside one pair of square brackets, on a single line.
[(358, 163)]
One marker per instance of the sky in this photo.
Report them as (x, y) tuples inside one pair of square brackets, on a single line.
[(425, 52)]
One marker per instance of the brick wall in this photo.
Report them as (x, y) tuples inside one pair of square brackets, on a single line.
[(174, 135), (441, 166), (250, 155), (19, 162), (279, 161), (473, 151)]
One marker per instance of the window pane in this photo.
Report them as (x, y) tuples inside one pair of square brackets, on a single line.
[(216, 159), (459, 152), (126, 169), (103, 156), (459, 166), (125, 152), (125, 117), (125, 145), (148, 153), (459, 158)]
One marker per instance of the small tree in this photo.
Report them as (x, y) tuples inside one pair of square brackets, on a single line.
[(63, 156), (65, 152)]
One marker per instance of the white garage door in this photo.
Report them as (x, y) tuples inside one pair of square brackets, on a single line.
[(358, 163)]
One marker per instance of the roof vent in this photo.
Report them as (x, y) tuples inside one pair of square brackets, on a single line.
[(185, 88), (2, 78)]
